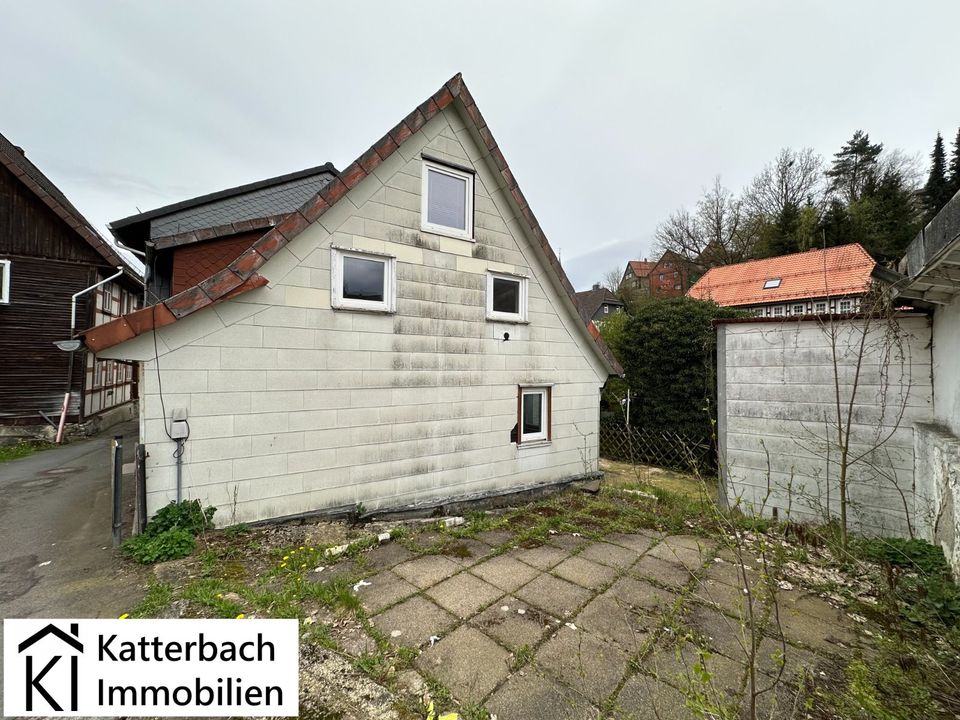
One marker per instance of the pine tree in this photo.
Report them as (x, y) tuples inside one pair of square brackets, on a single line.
[(936, 192), (953, 179), (854, 166)]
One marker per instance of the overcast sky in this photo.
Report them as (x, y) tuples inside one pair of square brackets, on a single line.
[(611, 114)]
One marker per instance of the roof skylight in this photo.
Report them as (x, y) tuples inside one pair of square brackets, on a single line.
[(771, 283)]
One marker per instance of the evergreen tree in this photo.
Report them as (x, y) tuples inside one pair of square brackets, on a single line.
[(953, 178), (854, 166), (936, 192)]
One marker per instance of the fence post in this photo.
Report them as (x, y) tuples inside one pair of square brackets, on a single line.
[(117, 489)]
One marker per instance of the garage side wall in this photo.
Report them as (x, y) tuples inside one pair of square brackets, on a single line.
[(779, 427)]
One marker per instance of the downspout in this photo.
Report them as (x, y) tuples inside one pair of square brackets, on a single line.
[(73, 332)]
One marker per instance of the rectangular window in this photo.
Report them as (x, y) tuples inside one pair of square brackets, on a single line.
[(821, 308), (661, 276), (363, 281), (533, 414), (798, 309), (4, 281), (506, 297), (446, 205), (771, 283), (845, 306), (606, 309), (778, 310)]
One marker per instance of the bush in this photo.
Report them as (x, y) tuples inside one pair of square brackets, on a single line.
[(171, 533)]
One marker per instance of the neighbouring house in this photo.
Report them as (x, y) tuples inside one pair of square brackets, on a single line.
[(49, 253), (598, 304), (816, 282), (406, 338), (664, 278), (189, 241)]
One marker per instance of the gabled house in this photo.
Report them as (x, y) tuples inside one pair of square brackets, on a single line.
[(406, 338), (664, 278), (816, 282), (637, 275), (599, 304), (49, 253)]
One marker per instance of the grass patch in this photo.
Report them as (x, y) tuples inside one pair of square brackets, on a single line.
[(23, 449)]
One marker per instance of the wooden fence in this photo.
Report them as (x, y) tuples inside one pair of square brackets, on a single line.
[(655, 447)]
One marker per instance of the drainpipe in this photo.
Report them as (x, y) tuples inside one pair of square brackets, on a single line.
[(73, 332)]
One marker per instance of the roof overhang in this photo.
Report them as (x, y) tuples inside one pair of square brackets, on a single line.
[(930, 269)]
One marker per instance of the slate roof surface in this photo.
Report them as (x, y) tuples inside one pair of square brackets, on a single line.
[(241, 275), (591, 300), (833, 272)]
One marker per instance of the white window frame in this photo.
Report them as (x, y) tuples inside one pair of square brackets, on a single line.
[(520, 317), (778, 310), (846, 306), (820, 308), (795, 310), (338, 302), (545, 407), (771, 283), (5, 281), (606, 309), (467, 232)]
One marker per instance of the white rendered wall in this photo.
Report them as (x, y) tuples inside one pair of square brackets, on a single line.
[(295, 407)]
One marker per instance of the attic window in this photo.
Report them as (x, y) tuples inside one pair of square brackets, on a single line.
[(363, 281), (446, 205), (506, 297), (771, 283)]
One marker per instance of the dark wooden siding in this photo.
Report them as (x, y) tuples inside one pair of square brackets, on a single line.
[(33, 372)]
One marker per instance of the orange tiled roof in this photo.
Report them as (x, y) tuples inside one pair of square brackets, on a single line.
[(642, 268), (843, 270)]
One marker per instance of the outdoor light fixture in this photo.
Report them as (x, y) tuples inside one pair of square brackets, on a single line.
[(68, 345)]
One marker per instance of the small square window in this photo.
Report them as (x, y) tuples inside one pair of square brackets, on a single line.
[(506, 297), (606, 309), (798, 309), (4, 281), (771, 283), (778, 310), (446, 205), (661, 276), (845, 305), (533, 413), (821, 308), (363, 281)]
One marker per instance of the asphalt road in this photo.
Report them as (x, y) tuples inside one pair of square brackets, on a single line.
[(56, 555)]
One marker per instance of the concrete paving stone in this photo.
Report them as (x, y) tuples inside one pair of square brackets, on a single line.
[(346, 568), (691, 558), (663, 572), (615, 622), (543, 557), (795, 662), (732, 573), (413, 622), (463, 594), (643, 698), (425, 539), (427, 570), (384, 557), (495, 538), (384, 590), (505, 572), (531, 696), (585, 573), (513, 629), (567, 542), (674, 663), (831, 633), (467, 551), (468, 663), (638, 542), (558, 597), (642, 595), (731, 599), (692, 542), (613, 556), (588, 664), (722, 634)]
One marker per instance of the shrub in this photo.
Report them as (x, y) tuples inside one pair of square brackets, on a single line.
[(171, 533)]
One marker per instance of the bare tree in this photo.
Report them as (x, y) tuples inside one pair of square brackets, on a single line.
[(612, 279), (718, 232), (794, 178)]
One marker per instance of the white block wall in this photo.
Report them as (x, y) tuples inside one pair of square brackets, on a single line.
[(295, 407), (777, 418)]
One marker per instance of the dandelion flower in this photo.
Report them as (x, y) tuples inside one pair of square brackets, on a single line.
[(124, 616), (283, 564), (286, 557), (241, 616)]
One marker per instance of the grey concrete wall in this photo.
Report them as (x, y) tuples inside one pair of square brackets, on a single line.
[(296, 407), (780, 450)]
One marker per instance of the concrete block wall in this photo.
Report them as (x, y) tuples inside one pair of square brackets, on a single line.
[(295, 407), (778, 418)]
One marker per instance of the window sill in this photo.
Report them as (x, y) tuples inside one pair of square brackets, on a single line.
[(511, 321), (372, 311), (532, 444), (435, 230)]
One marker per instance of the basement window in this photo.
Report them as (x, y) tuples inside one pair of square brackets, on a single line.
[(506, 297), (446, 201), (771, 283), (4, 281), (363, 281), (533, 414)]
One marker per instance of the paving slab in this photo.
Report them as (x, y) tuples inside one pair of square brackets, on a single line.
[(529, 695), (559, 598), (720, 633), (468, 662), (643, 698), (731, 599), (413, 622), (386, 556), (585, 662), (567, 542), (505, 572), (463, 594), (606, 618), (505, 622), (495, 538), (674, 663), (613, 556), (642, 595), (690, 558), (543, 557), (427, 570), (425, 539), (587, 574), (831, 633), (385, 589), (638, 542), (467, 551), (662, 572)]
